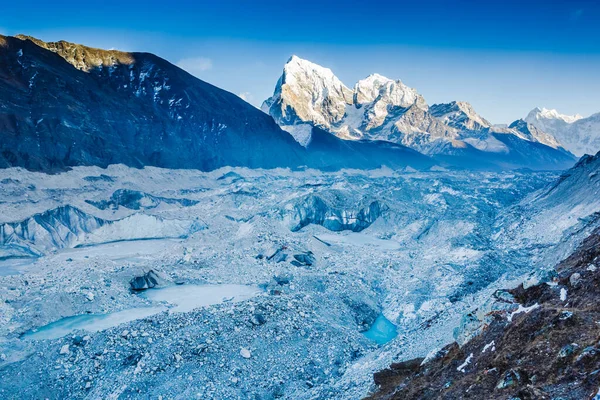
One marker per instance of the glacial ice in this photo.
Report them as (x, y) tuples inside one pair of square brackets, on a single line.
[(188, 297), (440, 244)]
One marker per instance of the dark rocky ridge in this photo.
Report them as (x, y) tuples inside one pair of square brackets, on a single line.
[(550, 352), (63, 104)]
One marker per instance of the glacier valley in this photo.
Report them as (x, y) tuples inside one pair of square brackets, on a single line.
[(248, 283)]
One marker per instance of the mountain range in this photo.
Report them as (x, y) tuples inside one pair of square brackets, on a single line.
[(379, 108), (64, 104)]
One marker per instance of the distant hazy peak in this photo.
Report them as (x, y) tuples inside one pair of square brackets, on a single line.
[(545, 113), (578, 134)]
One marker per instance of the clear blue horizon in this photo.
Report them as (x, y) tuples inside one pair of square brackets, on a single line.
[(505, 58)]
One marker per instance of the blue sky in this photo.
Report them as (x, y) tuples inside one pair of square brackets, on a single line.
[(505, 57)]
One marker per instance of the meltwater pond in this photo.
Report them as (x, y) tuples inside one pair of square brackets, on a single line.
[(89, 322), (382, 330), (175, 298)]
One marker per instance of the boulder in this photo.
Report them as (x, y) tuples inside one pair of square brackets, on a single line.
[(307, 258), (245, 353), (258, 319), (147, 281), (282, 279)]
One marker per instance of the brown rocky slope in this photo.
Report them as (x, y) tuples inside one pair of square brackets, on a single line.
[(542, 343)]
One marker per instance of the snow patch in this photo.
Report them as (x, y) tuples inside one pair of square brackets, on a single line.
[(491, 345), (522, 309), (461, 367), (563, 294)]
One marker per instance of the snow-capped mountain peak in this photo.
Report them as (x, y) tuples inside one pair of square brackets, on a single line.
[(307, 92), (298, 71)]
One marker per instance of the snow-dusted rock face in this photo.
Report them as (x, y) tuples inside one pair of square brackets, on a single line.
[(578, 134), (382, 109), (379, 96), (534, 134), (459, 115), (549, 224), (415, 127)]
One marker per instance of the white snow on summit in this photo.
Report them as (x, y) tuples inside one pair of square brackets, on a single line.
[(545, 114), (307, 92), (379, 95)]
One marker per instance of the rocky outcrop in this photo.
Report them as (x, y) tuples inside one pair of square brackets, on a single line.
[(136, 200), (543, 345), (306, 259)]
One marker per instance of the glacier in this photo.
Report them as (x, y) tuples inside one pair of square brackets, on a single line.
[(365, 266)]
